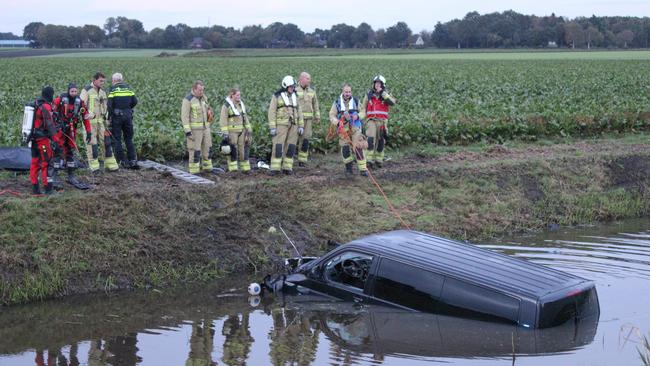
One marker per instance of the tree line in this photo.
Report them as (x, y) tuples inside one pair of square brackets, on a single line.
[(507, 29)]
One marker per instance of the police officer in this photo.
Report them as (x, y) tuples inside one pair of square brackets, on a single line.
[(374, 110), (286, 123), (311, 113), (121, 101), (196, 117)]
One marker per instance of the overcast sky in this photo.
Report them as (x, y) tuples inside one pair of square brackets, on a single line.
[(308, 15)]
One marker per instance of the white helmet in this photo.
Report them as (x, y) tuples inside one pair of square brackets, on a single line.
[(288, 81), (379, 78), (225, 149)]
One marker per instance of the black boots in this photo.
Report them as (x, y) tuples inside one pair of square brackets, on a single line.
[(36, 189), (49, 189), (348, 169)]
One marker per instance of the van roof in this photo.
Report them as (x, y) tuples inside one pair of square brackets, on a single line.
[(467, 262)]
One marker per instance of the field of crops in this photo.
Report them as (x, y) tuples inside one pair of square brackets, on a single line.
[(442, 101)]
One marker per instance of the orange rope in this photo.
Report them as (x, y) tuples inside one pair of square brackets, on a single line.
[(11, 192), (345, 135)]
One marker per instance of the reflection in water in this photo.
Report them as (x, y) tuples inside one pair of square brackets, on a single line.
[(293, 340), (237, 345), (201, 344), (201, 327)]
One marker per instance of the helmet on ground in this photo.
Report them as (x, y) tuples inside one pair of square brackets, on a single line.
[(288, 81), (379, 78), (224, 148), (254, 289)]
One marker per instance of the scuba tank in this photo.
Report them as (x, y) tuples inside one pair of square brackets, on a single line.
[(28, 122)]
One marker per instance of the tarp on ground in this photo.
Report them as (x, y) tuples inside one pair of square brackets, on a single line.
[(15, 158)]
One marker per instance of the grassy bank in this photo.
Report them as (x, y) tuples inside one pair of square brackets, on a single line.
[(144, 229)]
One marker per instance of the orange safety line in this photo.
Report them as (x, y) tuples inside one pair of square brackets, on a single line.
[(11, 192), (345, 135)]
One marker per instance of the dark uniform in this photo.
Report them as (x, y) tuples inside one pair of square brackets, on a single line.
[(121, 101)]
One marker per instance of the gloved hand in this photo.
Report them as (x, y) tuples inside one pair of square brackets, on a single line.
[(301, 130), (384, 95), (273, 132), (188, 134), (89, 137)]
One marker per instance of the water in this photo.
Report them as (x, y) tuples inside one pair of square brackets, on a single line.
[(221, 325)]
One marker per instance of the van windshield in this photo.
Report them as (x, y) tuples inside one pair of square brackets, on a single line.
[(349, 269)]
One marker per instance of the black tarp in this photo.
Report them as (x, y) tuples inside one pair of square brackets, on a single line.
[(15, 158)]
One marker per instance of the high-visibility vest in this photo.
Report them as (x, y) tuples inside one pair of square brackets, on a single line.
[(376, 108)]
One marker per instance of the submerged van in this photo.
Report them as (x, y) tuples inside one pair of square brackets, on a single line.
[(421, 272)]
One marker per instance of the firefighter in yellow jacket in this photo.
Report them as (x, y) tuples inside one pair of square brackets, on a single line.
[(311, 113), (374, 110), (196, 117), (237, 131), (285, 125), (345, 119), (100, 146)]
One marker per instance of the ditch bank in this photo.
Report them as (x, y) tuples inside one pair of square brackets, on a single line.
[(144, 229)]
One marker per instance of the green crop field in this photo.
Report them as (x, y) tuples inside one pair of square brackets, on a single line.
[(443, 98)]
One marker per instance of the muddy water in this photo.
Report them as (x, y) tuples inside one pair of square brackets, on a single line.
[(222, 326)]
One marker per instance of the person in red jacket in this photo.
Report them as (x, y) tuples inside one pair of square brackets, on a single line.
[(43, 137), (69, 110)]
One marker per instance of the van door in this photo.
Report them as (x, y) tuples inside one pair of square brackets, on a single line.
[(345, 275)]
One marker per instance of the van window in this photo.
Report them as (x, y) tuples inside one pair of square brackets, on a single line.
[(408, 286), (582, 305), (349, 269), (464, 299)]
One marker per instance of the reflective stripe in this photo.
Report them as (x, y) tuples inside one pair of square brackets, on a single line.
[(276, 163), (206, 165), (232, 166), (196, 125), (111, 164), (245, 165), (194, 168), (308, 114), (126, 93)]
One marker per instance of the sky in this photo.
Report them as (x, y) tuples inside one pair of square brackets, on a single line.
[(308, 15)]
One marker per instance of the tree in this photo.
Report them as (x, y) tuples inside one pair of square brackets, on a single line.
[(291, 35), (573, 34), (624, 38), (398, 35), (363, 36), (594, 37), (30, 33), (93, 34), (110, 26), (8, 35), (341, 36)]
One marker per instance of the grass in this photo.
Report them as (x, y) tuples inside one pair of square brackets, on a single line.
[(141, 230)]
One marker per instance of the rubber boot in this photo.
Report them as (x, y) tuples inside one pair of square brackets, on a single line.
[(287, 172), (348, 169), (36, 189), (378, 165), (302, 164), (364, 173), (49, 189)]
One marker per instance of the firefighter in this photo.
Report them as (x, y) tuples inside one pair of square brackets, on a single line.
[(237, 131), (69, 110), (196, 117), (100, 142), (311, 113), (42, 142), (345, 119), (374, 110), (121, 101), (285, 125)]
